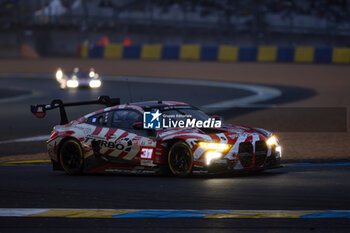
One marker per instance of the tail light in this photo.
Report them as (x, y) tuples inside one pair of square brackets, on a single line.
[(54, 134)]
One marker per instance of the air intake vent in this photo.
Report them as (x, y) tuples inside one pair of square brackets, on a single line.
[(260, 153), (245, 154)]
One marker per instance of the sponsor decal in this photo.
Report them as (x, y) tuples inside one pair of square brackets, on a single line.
[(148, 163), (39, 111), (146, 156), (157, 120), (152, 120), (124, 144), (146, 153)]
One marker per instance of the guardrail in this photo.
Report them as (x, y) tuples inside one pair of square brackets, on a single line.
[(224, 53)]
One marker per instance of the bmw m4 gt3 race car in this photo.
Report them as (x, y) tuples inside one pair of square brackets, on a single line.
[(78, 78), (122, 138)]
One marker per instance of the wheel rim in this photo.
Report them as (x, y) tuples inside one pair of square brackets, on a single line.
[(70, 156), (180, 159)]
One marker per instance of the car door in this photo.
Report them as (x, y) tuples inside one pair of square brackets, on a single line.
[(131, 144), (98, 129)]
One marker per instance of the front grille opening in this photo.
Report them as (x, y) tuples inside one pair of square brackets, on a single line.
[(245, 154), (260, 152), (245, 147)]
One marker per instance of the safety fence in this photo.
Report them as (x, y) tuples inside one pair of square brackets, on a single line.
[(225, 53)]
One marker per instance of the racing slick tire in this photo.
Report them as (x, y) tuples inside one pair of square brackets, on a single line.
[(180, 159), (71, 157)]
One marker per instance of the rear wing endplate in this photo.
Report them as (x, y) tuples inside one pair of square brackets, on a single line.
[(39, 110)]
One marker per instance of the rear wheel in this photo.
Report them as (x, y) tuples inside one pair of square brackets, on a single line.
[(180, 159), (71, 157)]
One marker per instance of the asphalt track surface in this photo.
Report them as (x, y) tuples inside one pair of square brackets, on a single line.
[(294, 187), (322, 187)]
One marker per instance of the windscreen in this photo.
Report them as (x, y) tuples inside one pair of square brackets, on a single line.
[(181, 113)]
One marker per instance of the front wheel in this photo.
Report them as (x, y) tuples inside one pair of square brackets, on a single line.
[(71, 157), (180, 159)]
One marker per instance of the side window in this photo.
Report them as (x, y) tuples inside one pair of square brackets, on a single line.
[(100, 119), (125, 118)]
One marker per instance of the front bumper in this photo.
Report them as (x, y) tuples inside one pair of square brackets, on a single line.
[(225, 165)]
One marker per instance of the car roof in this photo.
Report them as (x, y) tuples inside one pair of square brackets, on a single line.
[(158, 104), (142, 106)]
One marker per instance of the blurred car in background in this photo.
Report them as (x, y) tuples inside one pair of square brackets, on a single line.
[(78, 79)]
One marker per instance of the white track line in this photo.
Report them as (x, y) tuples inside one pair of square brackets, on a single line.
[(262, 93), (19, 212), (16, 98), (29, 139)]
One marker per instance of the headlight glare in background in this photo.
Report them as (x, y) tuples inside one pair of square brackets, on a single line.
[(95, 83), (59, 74), (72, 83), (92, 74)]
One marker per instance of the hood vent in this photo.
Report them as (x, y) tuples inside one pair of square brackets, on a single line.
[(211, 130)]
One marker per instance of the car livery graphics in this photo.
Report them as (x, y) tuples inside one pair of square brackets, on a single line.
[(113, 140)]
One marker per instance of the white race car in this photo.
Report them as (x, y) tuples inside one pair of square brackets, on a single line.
[(78, 78)]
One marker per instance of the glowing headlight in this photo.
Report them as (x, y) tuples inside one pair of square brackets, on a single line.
[(271, 141), (92, 74), (211, 155), (279, 150), (95, 83), (72, 83), (59, 75), (214, 146)]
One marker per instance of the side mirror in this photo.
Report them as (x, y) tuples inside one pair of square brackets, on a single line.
[(216, 117), (137, 125)]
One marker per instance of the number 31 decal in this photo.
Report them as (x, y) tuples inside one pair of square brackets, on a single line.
[(146, 153)]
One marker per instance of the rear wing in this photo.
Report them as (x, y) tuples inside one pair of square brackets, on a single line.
[(39, 110)]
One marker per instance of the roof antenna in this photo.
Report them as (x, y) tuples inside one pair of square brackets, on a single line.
[(129, 89)]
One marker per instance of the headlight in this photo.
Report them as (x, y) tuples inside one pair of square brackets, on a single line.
[(95, 83), (92, 74), (271, 141), (279, 150), (211, 155), (72, 83), (59, 74), (214, 146)]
